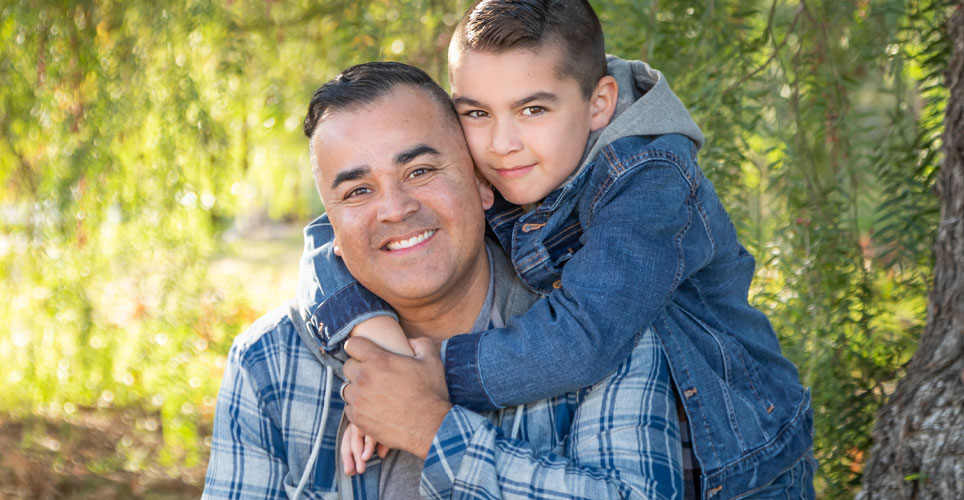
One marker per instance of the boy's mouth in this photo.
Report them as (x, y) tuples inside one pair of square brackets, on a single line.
[(513, 172)]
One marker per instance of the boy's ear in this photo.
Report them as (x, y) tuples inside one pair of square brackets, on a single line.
[(335, 247), (485, 191), (602, 103)]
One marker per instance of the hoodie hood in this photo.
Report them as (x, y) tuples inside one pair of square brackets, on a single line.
[(645, 106)]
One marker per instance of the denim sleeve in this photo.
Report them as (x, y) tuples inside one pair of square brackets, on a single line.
[(335, 302), (644, 235), (623, 443)]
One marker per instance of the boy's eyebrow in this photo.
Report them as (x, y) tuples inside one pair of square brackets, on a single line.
[(538, 96), (351, 174), (414, 152), (466, 101)]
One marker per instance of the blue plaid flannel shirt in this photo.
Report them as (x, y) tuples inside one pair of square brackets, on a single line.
[(616, 439)]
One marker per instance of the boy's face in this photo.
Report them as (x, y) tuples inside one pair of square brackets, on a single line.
[(525, 126)]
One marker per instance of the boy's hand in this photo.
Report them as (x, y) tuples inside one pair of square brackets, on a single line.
[(357, 449)]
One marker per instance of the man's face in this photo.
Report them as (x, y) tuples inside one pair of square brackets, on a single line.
[(401, 194), (525, 126)]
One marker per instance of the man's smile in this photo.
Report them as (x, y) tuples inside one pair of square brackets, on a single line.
[(401, 244)]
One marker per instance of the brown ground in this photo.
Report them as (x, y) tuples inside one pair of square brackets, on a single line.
[(98, 454)]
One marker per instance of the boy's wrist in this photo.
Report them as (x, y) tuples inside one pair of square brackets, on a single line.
[(386, 332)]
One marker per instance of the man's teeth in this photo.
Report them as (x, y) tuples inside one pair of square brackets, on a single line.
[(414, 240)]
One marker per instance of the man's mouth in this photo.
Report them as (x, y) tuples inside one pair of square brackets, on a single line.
[(410, 242)]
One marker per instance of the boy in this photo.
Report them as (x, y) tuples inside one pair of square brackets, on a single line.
[(603, 209)]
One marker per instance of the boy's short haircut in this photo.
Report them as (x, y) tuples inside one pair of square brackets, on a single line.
[(365, 83), (501, 25)]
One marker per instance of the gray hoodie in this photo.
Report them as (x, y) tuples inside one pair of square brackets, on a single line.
[(645, 106)]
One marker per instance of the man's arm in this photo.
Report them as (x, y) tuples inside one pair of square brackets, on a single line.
[(269, 412), (247, 456), (623, 442)]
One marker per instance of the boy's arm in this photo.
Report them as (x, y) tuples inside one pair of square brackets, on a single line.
[(336, 302), (623, 443), (644, 237)]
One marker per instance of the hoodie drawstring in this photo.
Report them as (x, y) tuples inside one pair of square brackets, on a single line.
[(321, 435), (517, 421)]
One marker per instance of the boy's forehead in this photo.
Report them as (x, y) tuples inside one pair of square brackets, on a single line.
[(542, 64)]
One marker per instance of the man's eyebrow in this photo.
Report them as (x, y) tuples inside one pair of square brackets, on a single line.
[(351, 174), (414, 152)]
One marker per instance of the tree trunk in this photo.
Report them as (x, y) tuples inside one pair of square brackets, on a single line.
[(918, 449)]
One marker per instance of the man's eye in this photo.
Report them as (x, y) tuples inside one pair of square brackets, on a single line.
[(357, 192), (533, 110), (420, 171), (475, 113)]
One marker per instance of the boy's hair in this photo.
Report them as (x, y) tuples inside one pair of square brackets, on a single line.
[(365, 83), (502, 25)]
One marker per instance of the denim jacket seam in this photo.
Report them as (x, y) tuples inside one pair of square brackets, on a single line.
[(478, 369), (789, 426), (617, 172), (498, 220), (562, 234), (706, 424)]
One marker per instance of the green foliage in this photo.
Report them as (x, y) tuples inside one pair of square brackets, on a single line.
[(137, 138)]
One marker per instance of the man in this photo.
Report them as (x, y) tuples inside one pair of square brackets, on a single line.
[(405, 209)]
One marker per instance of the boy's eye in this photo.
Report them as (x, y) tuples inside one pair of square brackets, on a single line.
[(475, 113), (357, 192), (533, 110)]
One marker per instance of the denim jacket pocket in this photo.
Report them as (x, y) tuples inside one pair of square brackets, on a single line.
[(751, 402), (562, 245)]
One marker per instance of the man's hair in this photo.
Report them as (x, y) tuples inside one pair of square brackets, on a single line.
[(502, 25), (365, 83)]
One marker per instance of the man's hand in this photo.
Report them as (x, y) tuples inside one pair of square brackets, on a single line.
[(398, 400)]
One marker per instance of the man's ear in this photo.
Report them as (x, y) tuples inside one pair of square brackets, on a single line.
[(485, 191), (602, 103), (335, 247)]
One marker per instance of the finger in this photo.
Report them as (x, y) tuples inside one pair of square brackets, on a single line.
[(348, 463), (422, 346), (350, 369), (382, 450), (361, 349), (357, 446), (369, 448)]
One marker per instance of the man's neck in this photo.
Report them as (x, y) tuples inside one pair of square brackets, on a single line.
[(454, 312)]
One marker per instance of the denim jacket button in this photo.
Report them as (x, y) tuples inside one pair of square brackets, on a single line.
[(557, 284)]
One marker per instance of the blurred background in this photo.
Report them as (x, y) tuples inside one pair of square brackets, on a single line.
[(154, 181)]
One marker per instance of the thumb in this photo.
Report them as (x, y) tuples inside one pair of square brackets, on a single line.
[(361, 349), (423, 347)]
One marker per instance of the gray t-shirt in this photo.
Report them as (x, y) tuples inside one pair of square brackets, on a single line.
[(401, 471)]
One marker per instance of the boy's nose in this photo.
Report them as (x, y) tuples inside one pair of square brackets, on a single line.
[(505, 138), (396, 204)]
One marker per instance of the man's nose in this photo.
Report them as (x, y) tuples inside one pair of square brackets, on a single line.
[(396, 204), (505, 137)]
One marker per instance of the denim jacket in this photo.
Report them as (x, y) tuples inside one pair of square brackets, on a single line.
[(641, 240)]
